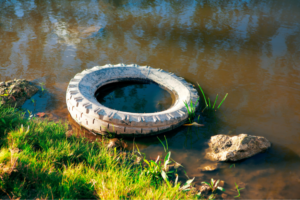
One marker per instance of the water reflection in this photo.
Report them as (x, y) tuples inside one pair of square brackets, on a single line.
[(134, 96), (250, 49)]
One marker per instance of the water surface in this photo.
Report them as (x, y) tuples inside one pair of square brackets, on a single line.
[(248, 48), (134, 96)]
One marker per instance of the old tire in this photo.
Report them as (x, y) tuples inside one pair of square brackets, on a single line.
[(88, 112)]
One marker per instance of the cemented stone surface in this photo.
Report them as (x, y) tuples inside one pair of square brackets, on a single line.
[(88, 112)]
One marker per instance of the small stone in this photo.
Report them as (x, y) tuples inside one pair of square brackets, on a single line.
[(224, 196), (221, 184), (69, 133), (242, 185), (138, 160), (204, 189), (2, 84), (116, 143), (233, 148), (211, 167)]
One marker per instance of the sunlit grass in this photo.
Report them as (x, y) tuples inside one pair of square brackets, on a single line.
[(191, 109), (209, 108), (208, 105), (42, 162)]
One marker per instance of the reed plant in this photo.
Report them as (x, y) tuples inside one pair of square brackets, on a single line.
[(40, 161), (208, 105), (238, 190), (191, 109)]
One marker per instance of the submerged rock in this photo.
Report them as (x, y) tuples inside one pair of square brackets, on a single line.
[(224, 196), (233, 148), (210, 167), (221, 183), (204, 189), (15, 92), (116, 143)]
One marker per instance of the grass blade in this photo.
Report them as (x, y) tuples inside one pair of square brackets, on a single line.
[(166, 143), (162, 144), (202, 94), (222, 100), (203, 182), (215, 102), (167, 158), (220, 188), (165, 177)]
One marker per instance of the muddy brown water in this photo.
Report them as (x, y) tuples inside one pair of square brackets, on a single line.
[(250, 49)]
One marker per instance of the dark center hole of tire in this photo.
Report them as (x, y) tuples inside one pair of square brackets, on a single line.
[(135, 96)]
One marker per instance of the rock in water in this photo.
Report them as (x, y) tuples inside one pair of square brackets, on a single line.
[(15, 92), (210, 167), (233, 148), (116, 143), (204, 189)]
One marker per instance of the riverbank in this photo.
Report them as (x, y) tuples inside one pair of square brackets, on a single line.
[(38, 160)]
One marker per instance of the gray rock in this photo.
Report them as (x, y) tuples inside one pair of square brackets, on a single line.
[(2, 84), (233, 148)]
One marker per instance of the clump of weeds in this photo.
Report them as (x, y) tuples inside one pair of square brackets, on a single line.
[(209, 107), (238, 190)]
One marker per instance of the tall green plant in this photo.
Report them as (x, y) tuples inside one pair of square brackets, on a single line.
[(208, 105), (214, 185), (191, 109), (238, 190)]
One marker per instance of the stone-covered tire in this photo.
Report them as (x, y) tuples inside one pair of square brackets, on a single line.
[(88, 112)]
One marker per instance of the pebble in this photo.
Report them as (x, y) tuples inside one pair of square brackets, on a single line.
[(204, 189), (211, 167), (221, 183)]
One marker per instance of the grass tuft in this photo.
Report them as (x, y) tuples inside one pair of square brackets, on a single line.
[(191, 109), (208, 106)]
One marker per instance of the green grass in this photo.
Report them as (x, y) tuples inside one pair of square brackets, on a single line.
[(208, 105), (238, 190), (42, 162), (191, 109)]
